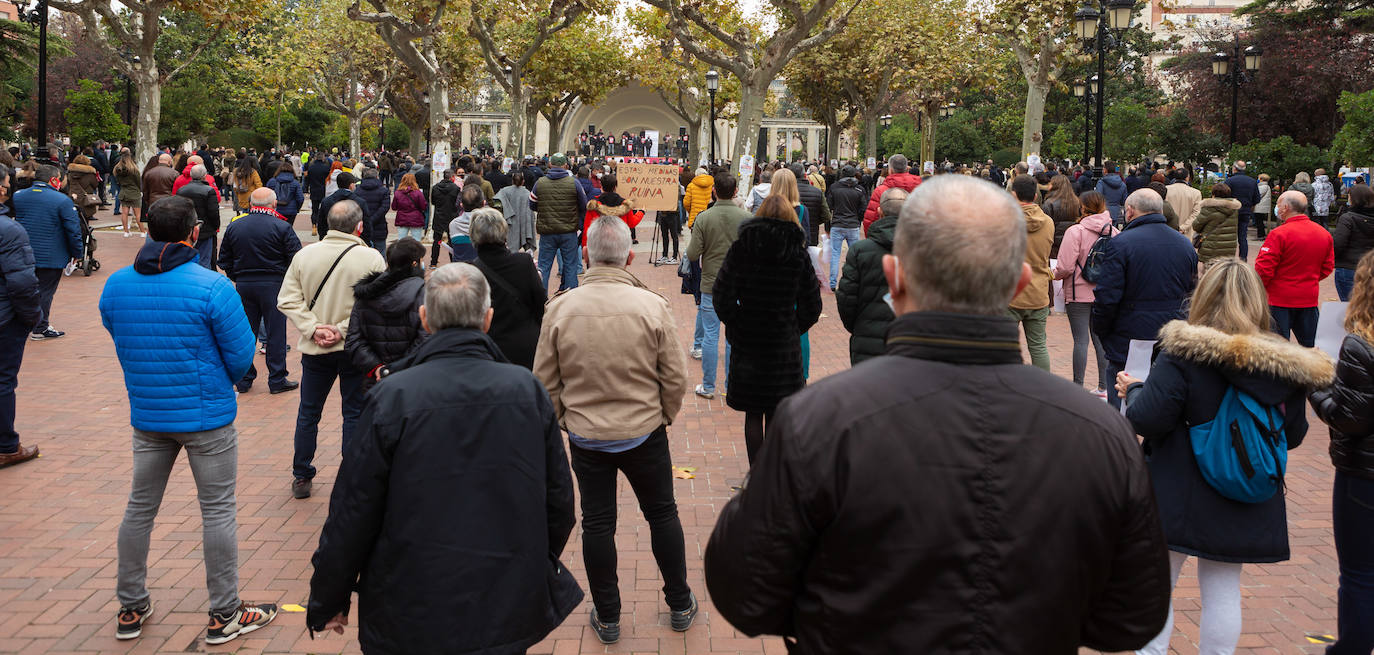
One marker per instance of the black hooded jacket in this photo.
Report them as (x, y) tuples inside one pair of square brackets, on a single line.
[(385, 324), (859, 295), (1348, 407), (451, 537), (1353, 236), (767, 296), (847, 203)]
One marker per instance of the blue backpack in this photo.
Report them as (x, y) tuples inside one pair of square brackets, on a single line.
[(1243, 451)]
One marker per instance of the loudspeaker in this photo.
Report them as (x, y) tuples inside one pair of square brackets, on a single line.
[(762, 155), (591, 129), (682, 130)]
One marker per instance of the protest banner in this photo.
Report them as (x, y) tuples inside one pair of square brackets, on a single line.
[(650, 186)]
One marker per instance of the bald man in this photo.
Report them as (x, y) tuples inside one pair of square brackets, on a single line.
[(258, 247), (1296, 256), (891, 503)]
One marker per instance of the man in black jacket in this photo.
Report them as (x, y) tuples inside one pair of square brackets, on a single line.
[(346, 182), (316, 176), (848, 203), (206, 200), (445, 209), (859, 297), (378, 200), (257, 249), (417, 489), (817, 211), (100, 160), (946, 497)]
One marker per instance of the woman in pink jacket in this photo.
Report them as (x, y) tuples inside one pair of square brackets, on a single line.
[(409, 203), (1078, 293)]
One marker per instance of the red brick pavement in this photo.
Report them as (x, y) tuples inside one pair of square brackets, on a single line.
[(59, 516)]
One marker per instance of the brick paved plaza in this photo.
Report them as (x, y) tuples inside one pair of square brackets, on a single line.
[(59, 515)]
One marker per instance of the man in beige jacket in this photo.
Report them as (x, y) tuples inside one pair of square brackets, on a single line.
[(317, 295), (1031, 307), (1185, 200), (609, 356)]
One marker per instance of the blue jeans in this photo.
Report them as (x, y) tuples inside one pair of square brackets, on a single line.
[(260, 305), (1301, 322), (1243, 234), (1352, 518), (13, 336), (317, 378), (114, 192), (838, 235), (416, 233), (564, 246), (1345, 283), (708, 325)]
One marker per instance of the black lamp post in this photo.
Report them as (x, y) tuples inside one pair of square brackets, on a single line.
[(424, 98), (38, 17), (886, 123), (1092, 26), (712, 85), (1087, 92), (1227, 68), (381, 127)]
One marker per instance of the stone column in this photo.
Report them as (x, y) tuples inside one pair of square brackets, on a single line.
[(812, 149)]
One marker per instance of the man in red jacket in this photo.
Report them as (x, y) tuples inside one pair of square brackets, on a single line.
[(185, 177), (897, 178), (1293, 261)]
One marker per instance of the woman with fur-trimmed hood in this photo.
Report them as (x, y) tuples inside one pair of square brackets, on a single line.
[(1225, 342)]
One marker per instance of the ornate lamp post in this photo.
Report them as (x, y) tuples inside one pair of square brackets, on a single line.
[(886, 122), (1100, 30), (381, 126), (37, 16), (1086, 91), (1227, 68), (713, 85)]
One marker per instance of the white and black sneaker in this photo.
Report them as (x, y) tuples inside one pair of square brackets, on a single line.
[(131, 620), (49, 333), (245, 619)]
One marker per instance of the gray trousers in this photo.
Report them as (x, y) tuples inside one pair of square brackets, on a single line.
[(214, 463)]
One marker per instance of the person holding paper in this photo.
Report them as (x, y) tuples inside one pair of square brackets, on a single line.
[(1348, 407), (1224, 345)]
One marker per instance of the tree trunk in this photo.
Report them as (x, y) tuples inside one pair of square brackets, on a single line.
[(750, 119), (515, 135), (417, 139), (871, 136), (1034, 119), (279, 111), (555, 133), (149, 110), (438, 121), (355, 128), (531, 130), (695, 144), (832, 138)]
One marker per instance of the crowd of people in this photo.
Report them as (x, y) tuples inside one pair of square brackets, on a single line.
[(452, 539)]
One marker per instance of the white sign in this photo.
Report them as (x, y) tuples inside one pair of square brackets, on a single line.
[(1137, 365), (652, 137), (440, 161), (507, 164), (1331, 328), (929, 168), (872, 162), (1059, 306)]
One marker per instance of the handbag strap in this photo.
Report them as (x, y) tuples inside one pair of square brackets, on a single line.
[(503, 284), (328, 273)]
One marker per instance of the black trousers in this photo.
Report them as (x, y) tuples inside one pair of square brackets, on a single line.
[(260, 305), (649, 469), (668, 225), (440, 236), (47, 288)]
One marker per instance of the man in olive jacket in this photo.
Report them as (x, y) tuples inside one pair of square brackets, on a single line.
[(560, 204), (714, 231), (859, 297), (945, 497)]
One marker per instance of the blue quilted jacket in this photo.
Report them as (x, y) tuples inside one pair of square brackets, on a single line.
[(182, 339), (50, 219)]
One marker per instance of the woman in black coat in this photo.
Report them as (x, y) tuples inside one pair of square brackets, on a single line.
[(1225, 343), (385, 323), (517, 293), (1348, 407), (767, 296)]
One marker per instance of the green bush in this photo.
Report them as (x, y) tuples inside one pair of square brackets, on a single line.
[(1280, 157), (91, 115), (1355, 142), (238, 137), (1007, 157)]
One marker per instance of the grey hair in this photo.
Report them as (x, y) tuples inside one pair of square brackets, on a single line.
[(369, 173), (961, 242), (456, 296), (897, 163), (608, 241), (892, 200), (345, 216), (1295, 200), (198, 172), (487, 225), (263, 197), (1146, 201), (1302, 177)]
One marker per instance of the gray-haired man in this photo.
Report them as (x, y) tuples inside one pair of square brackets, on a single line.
[(609, 356), (890, 503), (206, 200), (317, 295), (420, 488)]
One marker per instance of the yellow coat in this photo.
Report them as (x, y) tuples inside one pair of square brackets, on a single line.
[(698, 197)]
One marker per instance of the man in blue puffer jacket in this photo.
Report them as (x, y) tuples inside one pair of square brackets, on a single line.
[(19, 310), (183, 341)]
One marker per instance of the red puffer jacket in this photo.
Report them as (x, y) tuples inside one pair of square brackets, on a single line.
[(1293, 261), (905, 181)]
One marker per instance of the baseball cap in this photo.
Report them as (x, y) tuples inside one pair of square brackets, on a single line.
[(558, 159)]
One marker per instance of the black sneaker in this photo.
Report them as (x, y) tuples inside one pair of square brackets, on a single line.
[(289, 385), (300, 488), (245, 619), (47, 334), (683, 620), (607, 633), (131, 620)]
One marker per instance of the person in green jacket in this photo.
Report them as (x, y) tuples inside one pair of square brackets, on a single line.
[(861, 293), (1216, 224), (713, 232)]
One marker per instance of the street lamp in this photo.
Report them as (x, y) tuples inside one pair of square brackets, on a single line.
[(381, 126), (1092, 26), (1087, 91), (886, 122), (1228, 69), (38, 17), (510, 79), (712, 85), (424, 97)]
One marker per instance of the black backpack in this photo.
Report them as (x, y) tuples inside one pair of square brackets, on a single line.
[(1092, 265)]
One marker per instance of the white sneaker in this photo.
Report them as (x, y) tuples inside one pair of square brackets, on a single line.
[(696, 353), (1102, 394), (701, 391), (126, 234)]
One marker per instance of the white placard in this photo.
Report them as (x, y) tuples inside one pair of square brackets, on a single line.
[(746, 171), (440, 161), (1059, 306), (507, 164), (872, 162), (1331, 328), (1137, 365)]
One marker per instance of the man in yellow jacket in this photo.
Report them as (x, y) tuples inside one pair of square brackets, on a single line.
[(317, 295)]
